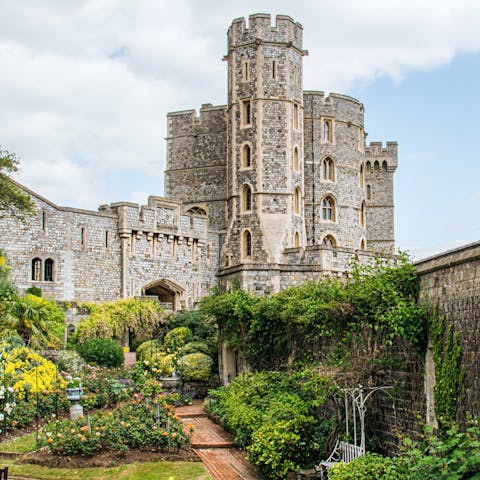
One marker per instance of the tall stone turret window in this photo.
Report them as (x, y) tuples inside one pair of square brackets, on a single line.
[(361, 180), (297, 197), (296, 240), (36, 269), (246, 113), (246, 198), (384, 166), (327, 134), (246, 70), (296, 115), (246, 156), (362, 245), (274, 69), (49, 270), (328, 209), (43, 221), (329, 241), (296, 160), (369, 192), (246, 245), (328, 169), (362, 215)]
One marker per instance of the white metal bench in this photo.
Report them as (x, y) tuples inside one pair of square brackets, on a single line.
[(342, 452)]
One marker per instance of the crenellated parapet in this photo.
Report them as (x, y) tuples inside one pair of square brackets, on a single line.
[(379, 157), (260, 29)]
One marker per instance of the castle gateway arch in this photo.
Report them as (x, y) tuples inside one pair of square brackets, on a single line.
[(169, 293)]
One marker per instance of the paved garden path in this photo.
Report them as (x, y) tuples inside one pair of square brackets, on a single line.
[(215, 447)]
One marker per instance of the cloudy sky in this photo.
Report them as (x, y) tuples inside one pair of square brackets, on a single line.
[(85, 86)]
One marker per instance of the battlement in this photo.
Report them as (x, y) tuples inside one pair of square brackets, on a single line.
[(342, 107), (376, 149), (260, 28), (189, 122)]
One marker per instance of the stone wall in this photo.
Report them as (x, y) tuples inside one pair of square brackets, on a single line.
[(451, 281)]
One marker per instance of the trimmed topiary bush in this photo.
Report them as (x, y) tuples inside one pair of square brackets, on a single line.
[(148, 350), (194, 347), (195, 367), (177, 338), (104, 352)]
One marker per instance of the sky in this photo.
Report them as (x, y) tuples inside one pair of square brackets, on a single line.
[(85, 87)]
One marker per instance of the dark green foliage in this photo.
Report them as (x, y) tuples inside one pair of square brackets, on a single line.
[(12, 200), (7, 288), (454, 455), (37, 292), (277, 417), (203, 328), (449, 375), (104, 352), (320, 321)]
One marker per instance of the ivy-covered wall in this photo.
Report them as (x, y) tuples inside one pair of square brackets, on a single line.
[(451, 282)]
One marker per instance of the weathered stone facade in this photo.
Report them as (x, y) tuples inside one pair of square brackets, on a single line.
[(272, 189)]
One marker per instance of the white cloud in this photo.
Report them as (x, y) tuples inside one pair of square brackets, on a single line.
[(86, 85)]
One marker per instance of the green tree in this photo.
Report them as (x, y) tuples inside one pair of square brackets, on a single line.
[(37, 321), (12, 200)]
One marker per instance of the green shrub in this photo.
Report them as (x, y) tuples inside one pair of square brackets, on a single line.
[(370, 466), (177, 338), (195, 367), (104, 352), (194, 347), (147, 350), (276, 416), (34, 291)]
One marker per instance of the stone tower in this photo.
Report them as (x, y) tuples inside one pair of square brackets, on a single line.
[(265, 191)]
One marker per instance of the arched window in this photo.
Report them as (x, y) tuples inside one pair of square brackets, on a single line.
[(376, 166), (328, 169), (296, 161), (362, 177), (246, 198), (329, 241), (368, 166), (296, 201), (246, 156), (362, 215), (197, 211), (247, 244), (48, 273), (327, 131), (362, 245), (328, 209), (384, 166), (369, 192), (36, 269), (296, 240)]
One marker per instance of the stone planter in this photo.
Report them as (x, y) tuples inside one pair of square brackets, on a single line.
[(74, 394)]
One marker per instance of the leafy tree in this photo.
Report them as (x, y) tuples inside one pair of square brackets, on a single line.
[(37, 321), (12, 200)]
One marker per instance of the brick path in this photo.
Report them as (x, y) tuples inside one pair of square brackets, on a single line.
[(215, 447)]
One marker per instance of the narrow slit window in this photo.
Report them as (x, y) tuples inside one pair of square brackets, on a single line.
[(246, 112), (246, 198), (296, 201), (328, 131), (247, 244), (83, 237), (274, 69), (246, 156), (44, 221), (296, 240), (107, 239), (246, 71), (295, 115), (296, 161)]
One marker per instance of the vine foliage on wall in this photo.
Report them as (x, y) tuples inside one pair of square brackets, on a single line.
[(449, 374)]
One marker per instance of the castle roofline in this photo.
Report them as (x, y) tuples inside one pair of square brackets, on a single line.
[(54, 205), (321, 93), (206, 107)]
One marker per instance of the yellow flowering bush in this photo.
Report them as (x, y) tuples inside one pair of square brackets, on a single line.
[(27, 372)]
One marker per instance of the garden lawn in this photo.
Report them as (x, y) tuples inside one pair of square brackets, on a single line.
[(23, 444), (133, 471)]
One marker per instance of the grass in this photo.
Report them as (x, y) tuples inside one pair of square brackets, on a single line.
[(23, 444), (133, 471)]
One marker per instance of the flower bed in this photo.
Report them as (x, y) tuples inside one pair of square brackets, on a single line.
[(136, 423)]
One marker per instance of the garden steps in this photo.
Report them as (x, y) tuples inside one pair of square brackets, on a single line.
[(214, 446)]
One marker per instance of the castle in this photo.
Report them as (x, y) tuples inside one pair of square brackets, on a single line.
[(272, 189)]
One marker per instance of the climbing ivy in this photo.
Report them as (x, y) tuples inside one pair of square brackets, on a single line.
[(449, 374)]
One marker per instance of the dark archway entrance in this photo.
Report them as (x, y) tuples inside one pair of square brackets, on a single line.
[(169, 293)]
